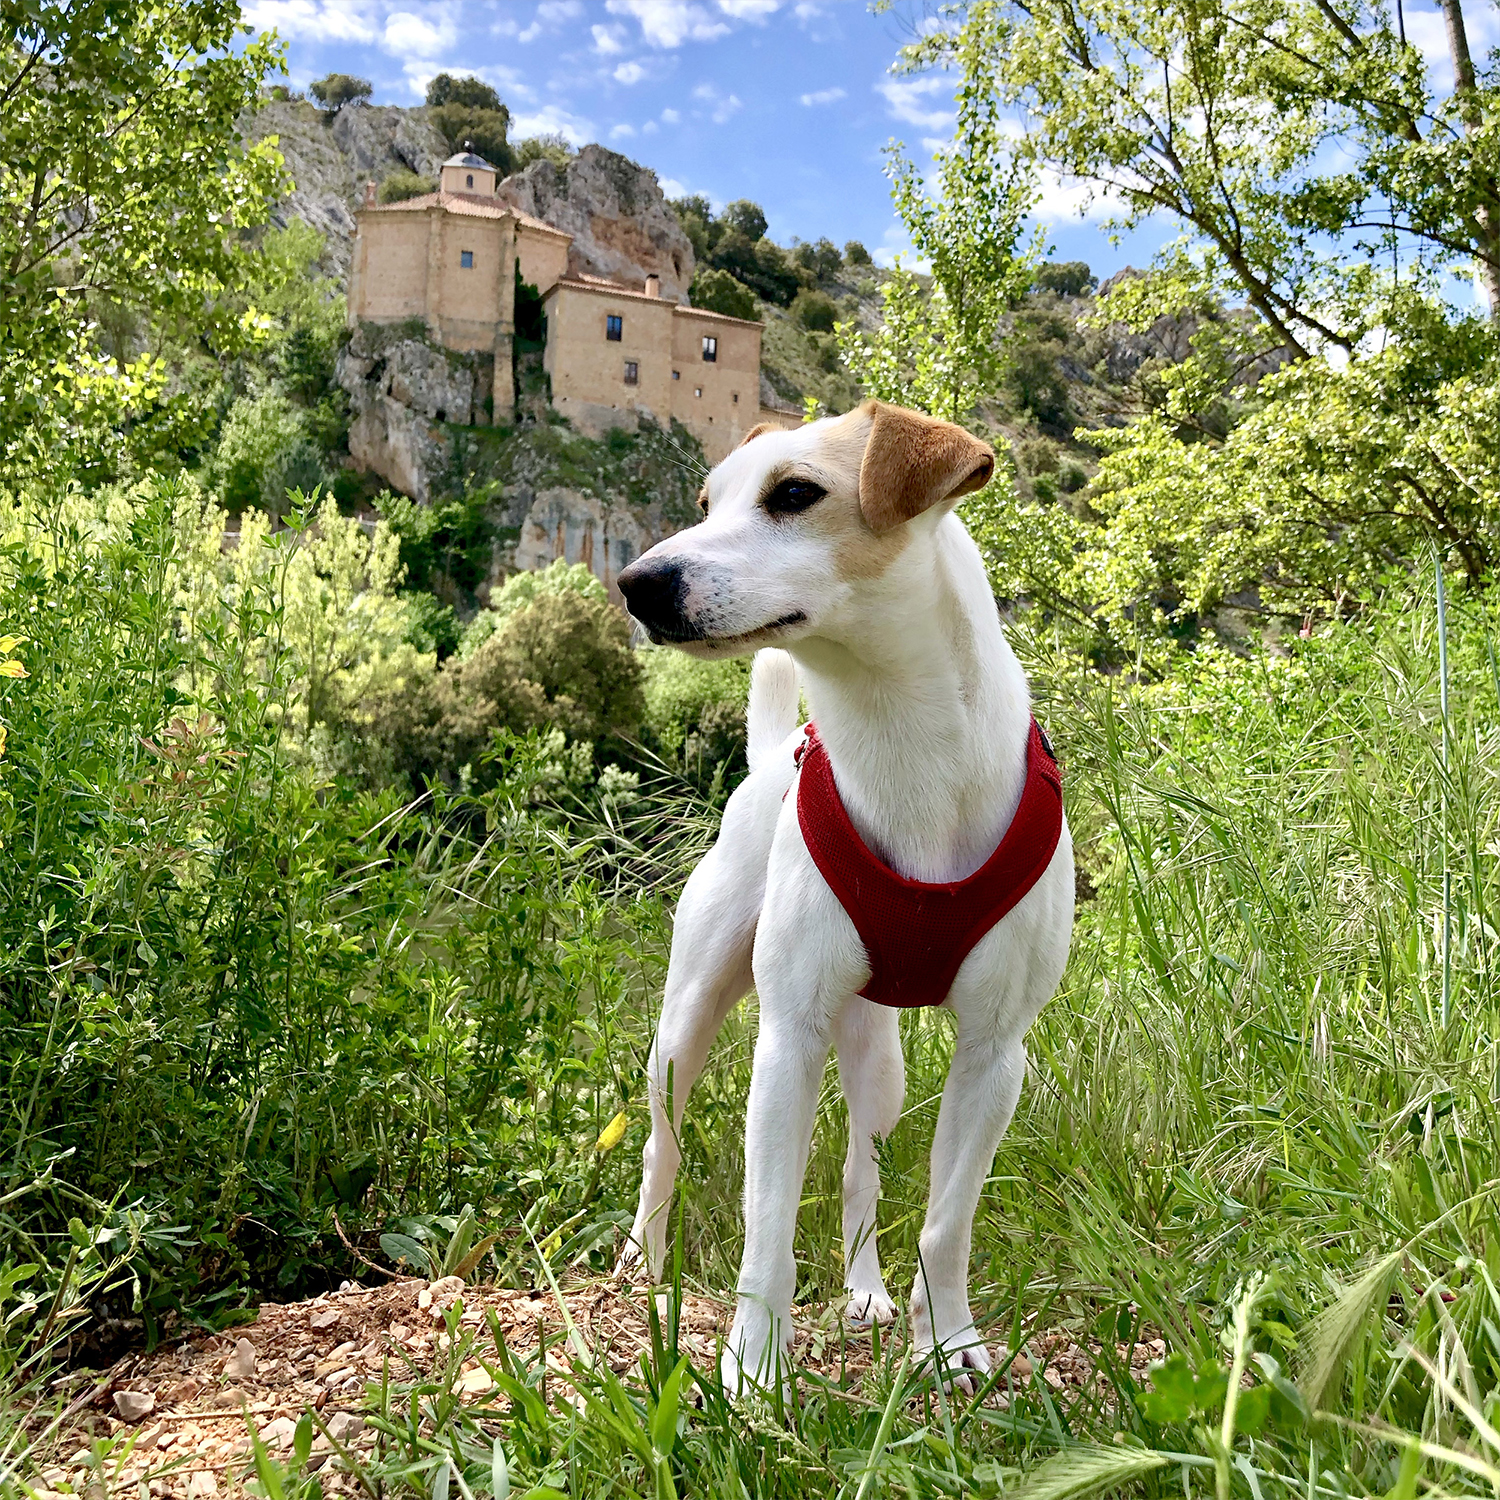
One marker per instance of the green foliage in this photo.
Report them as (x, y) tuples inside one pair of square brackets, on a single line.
[(123, 186), (744, 218), (472, 92), (401, 185), (1068, 278), (855, 254), (339, 89), (720, 292), (940, 347), (554, 148), (696, 709), (522, 590), (265, 449), (821, 258), (470, 114), (815, 310)]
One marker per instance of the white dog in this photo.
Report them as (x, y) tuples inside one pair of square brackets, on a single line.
[(837, 543)]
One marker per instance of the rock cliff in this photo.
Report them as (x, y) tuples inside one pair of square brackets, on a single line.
[(616, 213), (331, 158)]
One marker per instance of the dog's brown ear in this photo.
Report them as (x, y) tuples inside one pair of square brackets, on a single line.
[(913, 462), (756, 431)]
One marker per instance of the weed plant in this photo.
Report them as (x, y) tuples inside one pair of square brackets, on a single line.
[(1260, 1123)]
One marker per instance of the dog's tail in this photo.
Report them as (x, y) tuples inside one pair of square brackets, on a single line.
[(771, 714)]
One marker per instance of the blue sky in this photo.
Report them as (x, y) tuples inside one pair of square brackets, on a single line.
[(787, 102)]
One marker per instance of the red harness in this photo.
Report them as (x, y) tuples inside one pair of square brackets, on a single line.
[(915, 935)]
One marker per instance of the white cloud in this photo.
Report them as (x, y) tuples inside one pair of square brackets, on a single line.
[(609, 40), (410, 35), (671, 188), (910, 100), (650, 128), (629, 72), (749, 10), (1069, 198), (621, 132), (721, 106), (551, 119), (670, 23), (551, 14), (670, 117), (327, 21), (824, 96)]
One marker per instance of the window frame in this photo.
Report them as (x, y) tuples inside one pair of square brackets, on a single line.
[(614, 328), (710, 349), (632, 372), (465, 260)]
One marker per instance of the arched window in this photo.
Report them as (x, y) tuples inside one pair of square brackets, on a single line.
[(470, 179)]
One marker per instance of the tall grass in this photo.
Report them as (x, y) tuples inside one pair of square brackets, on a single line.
[(1252, 1129)]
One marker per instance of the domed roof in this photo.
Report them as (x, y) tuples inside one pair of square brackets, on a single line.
[(467, 159)]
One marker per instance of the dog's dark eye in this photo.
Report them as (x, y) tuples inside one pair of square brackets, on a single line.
[(792, 495)]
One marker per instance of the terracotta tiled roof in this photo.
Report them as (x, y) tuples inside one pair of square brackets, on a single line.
[(605, 288), (471, 205)]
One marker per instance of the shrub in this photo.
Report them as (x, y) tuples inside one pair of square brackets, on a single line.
[(401, 185), (822, 258), (265, 448), (1068, 278), (696, 709), (855, 254), (815, 310), (339, 89), (718, 291), (553, 148)]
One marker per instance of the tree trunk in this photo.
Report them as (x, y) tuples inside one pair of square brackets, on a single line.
[(1487, 264)]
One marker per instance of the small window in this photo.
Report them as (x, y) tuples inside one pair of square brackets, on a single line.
[(676, 374), (698, 390), (466, 259), (710, 349), (632, 372), (735, 397), (614, 328)]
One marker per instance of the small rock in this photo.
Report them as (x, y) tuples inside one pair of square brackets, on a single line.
[(345, 1426), (474, 1382), (398, 1332), (424, 1299), (156, 1488), (1020, 1367), (241, 1364), (324, 1317), (279, 1434), (228, 1398), (337, 1377), (166, 1440), (79, 1459), (133, 1405), (202, 1484), (54, 1476)]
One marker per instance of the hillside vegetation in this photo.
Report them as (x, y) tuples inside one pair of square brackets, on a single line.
[(337, 872)]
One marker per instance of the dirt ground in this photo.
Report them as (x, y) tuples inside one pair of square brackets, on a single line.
[(184, 1409)]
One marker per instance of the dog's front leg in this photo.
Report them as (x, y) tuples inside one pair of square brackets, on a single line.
[(790, 1053), (871, 1073)]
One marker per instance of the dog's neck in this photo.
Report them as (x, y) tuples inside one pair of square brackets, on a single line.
[(925, 714)]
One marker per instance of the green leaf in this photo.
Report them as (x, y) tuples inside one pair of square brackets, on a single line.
[(499, 1472), (664, 1418), (302, 1441), (404, 1250), (1171, 1398)]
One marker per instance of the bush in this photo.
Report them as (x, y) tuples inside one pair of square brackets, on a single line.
[(339, 89), (1068, 278), (401, 185), (718, 291), (855, 254), (265, 448), (815, 310), (695, 709), (553, 148)]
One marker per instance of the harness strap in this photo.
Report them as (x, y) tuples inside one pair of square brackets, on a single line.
[(917, 935)]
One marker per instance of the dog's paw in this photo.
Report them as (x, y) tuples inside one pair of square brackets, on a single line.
[(867, 1307), (961, 1361)]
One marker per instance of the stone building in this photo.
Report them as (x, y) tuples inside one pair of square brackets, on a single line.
[(613, 352)]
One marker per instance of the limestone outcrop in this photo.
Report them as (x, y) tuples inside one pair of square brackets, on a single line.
[(401, 392), (331, 160), (615, 210)]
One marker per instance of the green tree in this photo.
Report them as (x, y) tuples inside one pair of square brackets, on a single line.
[(339, 89), (718, 291), (472, 118), (940, 349), (1302, 144), (551, 147), (401, 185), (123, 182), (855, 254), (745, 218)]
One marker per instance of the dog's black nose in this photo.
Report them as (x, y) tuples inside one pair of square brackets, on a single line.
[(655, 593)]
